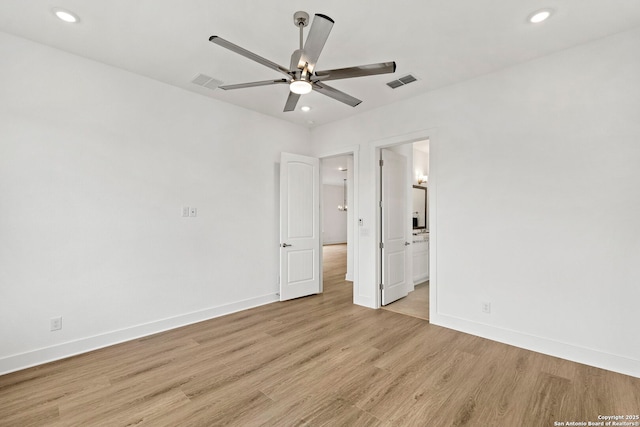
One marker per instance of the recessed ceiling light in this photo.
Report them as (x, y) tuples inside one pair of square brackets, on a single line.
[(305, 108), (539, 16), (66, 16)]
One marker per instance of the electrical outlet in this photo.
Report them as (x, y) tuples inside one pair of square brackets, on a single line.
[(185, 211), (486, 307), (56, 323)]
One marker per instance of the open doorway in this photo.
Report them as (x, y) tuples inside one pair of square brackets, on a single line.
[(301, 240), (414, 298), (337, 219)]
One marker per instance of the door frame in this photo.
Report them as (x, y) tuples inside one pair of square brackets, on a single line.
[(353, 225), (393, 141)]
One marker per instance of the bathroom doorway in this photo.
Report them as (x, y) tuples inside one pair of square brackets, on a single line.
[(416, 302)]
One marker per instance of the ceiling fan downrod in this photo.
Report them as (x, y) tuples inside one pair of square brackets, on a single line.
[(301, 20)]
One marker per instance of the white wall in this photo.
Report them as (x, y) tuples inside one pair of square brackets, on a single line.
[(95, 164), (334, 222), (420, 166), (534, 188)]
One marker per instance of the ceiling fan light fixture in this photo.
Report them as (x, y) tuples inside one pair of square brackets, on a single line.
[(300, 87), (305, 108)]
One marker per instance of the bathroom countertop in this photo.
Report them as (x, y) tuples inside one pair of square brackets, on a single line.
[(421, 237)]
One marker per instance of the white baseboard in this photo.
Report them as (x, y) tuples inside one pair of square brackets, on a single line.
[(587, 356), (333, 242), (71, 348), (420, 279)]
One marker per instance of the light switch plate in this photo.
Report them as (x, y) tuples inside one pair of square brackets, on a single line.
[(193, 211)]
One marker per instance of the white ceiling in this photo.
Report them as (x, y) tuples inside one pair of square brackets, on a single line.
[(440, 42)]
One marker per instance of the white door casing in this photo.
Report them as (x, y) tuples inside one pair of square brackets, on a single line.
[(395, 262), (299, 226)]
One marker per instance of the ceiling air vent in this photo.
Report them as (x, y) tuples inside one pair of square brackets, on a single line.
[(206, 81), (394, 84)]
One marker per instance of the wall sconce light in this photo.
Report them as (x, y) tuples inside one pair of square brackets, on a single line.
[(423, 179)]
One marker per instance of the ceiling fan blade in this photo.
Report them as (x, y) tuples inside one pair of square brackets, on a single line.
[(253, 84), (359, 71), (335, 94), (318, 34), (292, 101), (250, 55)]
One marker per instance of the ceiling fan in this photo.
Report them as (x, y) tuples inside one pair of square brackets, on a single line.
[(301, 75)]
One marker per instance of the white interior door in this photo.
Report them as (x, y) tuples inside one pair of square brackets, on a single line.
[(395, 260), (299, 226)]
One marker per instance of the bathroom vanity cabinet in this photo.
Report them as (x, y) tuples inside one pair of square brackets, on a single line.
[(420, 258)]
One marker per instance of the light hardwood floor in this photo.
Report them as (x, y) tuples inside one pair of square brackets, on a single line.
[(415, 304), (313, 361)]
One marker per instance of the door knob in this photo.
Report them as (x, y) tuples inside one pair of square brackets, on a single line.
[(407, 243), (284, 245)]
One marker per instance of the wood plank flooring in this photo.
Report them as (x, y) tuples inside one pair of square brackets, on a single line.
[(415, 304), (313, 361)]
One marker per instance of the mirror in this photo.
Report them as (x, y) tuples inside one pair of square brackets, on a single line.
[(420, 219)]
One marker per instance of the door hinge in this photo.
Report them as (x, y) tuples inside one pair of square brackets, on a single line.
[(381, 287), (380, 203), (381, 245), (381, 162)]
